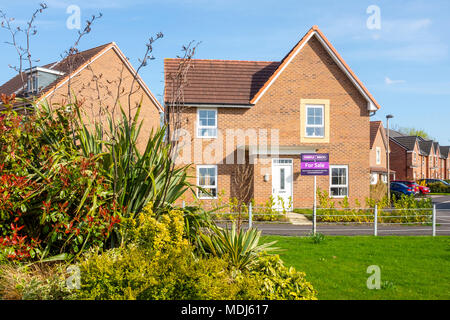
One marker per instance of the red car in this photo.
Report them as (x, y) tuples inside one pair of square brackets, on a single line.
[(411, 184), (424, 189)]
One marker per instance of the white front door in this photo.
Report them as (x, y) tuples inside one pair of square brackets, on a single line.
[(282, 183)]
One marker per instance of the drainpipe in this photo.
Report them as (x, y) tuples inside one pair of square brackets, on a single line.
[(389, 116)]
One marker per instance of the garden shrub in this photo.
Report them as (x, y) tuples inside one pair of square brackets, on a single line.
[(438, 187), (159, 263), (137, 273), (34, 282), (232, 211), (401, 210), (278, 282), (52, 199)]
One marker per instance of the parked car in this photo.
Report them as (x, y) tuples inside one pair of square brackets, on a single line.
[(398, 189), (412, 184), (424, 189)]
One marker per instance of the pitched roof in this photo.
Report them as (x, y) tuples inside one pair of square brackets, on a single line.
[(445, 151), (394, 133), (244, 82), (315, 31), (436, 147), (426, 146), (220, 81), (15, 84), (409, 142), (75, 63), (376, 126)]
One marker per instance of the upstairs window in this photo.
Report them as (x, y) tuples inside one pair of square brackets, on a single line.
[(378, 155), (32, 84), (315, 127), (207, 123)]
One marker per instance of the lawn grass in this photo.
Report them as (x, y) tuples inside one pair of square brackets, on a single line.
[(411, 267)]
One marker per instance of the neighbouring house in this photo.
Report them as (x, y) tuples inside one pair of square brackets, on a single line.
[(378, 153), (428, 148), (436, 170), (100, 78), (268, 113), (414, 158), (445, 162), (407, 158)]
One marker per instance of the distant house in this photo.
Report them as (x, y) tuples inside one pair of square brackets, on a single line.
[(310, 101), (378, 155), (407, 158), (445, 162), (100, 78), (414, 158)]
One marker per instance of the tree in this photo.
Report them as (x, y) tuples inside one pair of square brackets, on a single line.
[(410, 131)]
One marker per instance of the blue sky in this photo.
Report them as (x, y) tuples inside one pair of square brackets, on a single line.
[(405, 64)]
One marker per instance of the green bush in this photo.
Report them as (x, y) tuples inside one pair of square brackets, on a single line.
[(438, 187), (240, 247), (34, 282), (136, 273), (278, 282), (401, 210), (53, 199), (159, 263)]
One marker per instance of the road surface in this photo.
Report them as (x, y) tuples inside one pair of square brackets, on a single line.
[(442, 226)]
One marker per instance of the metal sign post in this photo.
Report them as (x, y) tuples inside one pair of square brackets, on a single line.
[(315, 164)]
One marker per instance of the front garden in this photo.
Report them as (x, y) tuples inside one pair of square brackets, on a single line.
[(411, 267), (86, 215)]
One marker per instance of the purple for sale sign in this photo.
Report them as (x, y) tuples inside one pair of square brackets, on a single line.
[(315, 164)]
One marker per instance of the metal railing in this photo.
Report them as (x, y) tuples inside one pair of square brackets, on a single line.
[(375, 221)]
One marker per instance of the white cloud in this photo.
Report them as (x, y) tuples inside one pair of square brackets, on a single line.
[(388, 81)]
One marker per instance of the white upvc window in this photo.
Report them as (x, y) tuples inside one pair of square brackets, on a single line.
[(374, 178), (315, 124), (206, 123), (207, 179), (32, 83), (338, 181), (378, 155), (414, 157)]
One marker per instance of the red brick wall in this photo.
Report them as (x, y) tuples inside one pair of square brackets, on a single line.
[(312, 74), (398, 161)]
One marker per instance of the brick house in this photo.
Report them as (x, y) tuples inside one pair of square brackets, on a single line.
[(378, 156), (407, 159), (98, 77), (445, 162), (427, 147), (436, 169), (269, 113)]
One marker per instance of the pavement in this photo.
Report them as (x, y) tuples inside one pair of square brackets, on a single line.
[(304, 229)]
